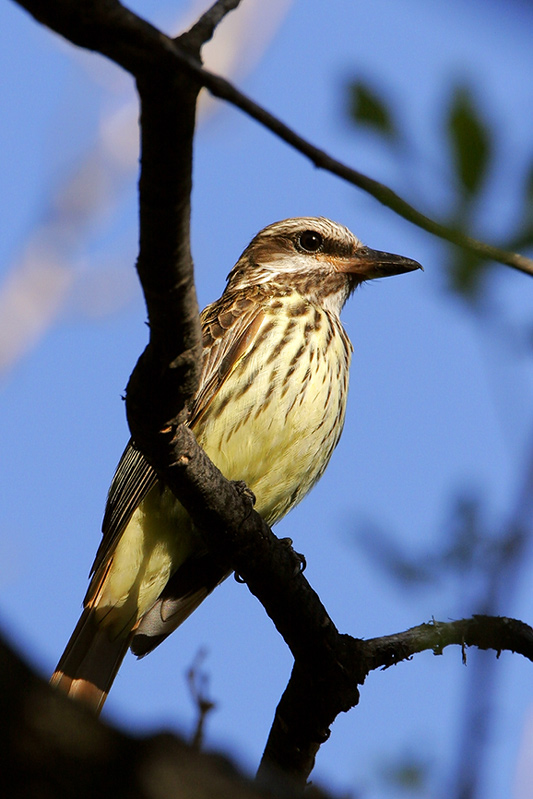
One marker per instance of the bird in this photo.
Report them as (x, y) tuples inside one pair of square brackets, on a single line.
[(269, 411)]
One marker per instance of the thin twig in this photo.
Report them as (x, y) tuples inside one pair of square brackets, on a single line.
[(198, 682), (484, 632), (223, 89), (106, 26), (328, 666), (204, 27)]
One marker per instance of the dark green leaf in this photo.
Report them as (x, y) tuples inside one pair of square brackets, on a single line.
[(366, 108), (466, 274), (470, 141)]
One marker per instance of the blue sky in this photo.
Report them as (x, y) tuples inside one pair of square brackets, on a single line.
[(437, 402)]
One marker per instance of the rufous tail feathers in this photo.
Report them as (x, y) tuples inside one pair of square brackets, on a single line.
[(90, 661)]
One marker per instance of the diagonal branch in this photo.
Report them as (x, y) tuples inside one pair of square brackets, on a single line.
[(203, 28), (386, 196), (328, 666), (316, 695), (109, 28)]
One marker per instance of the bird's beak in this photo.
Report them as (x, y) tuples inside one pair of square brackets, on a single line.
[(368, 264)]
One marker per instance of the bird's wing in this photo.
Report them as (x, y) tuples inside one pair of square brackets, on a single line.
[(229, 328), (134, 477)]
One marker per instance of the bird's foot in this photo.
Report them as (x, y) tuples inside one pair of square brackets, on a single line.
[(300, 563), (243, 490)]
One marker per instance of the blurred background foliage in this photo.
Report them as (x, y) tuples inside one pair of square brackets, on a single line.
[(432, 477), (471, 154), (478, 555)]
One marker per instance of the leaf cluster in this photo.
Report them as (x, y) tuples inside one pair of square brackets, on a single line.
[(472, 157)]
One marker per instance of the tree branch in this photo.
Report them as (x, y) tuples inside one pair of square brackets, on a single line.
[(203, 29), (314, 697), (484, 632), (328, 666), (106, 26), (52, 747), (223, 89)]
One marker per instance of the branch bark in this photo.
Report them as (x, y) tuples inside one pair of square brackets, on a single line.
[(106, 26), (52, 747), (328, 666), (317, 694)]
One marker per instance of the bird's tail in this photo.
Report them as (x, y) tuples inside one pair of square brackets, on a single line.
[(90, 661)]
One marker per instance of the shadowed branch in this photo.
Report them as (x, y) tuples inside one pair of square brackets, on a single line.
[(328, 666), (316, 694), (109, 28)]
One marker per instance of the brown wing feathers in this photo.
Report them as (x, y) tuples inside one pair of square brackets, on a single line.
[(93, 656)]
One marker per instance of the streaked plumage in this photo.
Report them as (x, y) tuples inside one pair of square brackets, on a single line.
[(269, 411)]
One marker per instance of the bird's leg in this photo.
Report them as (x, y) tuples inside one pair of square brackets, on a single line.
[(300, 563), (243, 490)]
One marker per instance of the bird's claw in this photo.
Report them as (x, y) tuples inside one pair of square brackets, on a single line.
[(243, 490), (300, 562)]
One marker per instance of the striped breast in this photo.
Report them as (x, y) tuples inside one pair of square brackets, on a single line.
[(273, 422), (278, 416)]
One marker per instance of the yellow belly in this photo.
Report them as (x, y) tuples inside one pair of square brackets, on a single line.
[(284, 417), (273, 423), (158, 538)]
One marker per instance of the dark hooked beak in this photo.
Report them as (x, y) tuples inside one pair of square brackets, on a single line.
[(368, 264)]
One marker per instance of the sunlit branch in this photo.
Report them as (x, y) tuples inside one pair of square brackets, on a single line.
[(116, 32)]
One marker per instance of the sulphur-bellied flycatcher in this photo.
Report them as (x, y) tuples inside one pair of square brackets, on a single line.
[(269, 411)]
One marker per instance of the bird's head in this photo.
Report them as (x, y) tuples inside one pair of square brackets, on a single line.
[(320, 259)]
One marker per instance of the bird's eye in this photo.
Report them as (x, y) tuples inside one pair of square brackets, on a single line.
[(310, 241)]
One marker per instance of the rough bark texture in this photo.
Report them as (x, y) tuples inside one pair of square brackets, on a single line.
[(49, 740)]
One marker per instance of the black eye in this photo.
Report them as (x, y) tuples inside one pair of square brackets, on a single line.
[(310, 241)]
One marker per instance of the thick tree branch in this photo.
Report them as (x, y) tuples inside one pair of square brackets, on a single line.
[(53, 747), (328, 666), (168, 372), (106, 26), (314, 698)]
